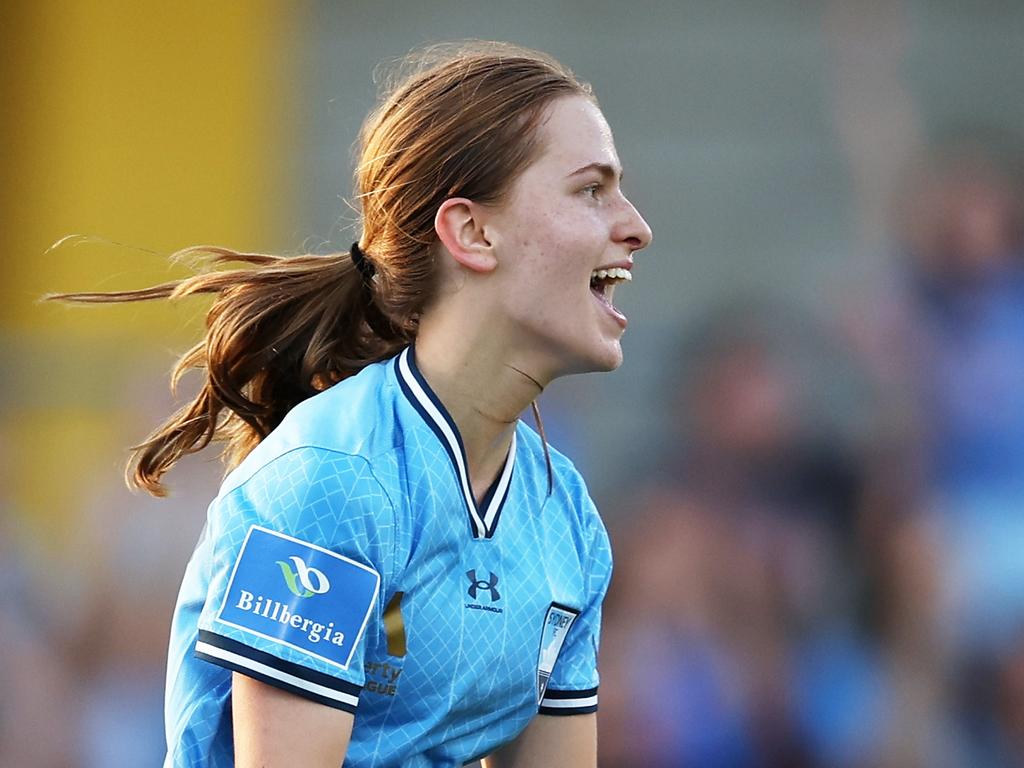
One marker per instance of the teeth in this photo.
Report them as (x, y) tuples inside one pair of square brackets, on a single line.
[(615, 273)]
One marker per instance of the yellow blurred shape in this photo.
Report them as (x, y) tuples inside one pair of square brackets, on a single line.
[(150, 124)]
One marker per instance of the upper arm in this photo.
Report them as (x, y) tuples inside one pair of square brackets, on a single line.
[(562, 742), (275, 728), (298, 556)]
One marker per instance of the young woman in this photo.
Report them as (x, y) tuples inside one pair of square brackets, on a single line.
[(395, 572)]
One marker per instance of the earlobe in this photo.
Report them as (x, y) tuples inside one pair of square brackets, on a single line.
[(460, 228)]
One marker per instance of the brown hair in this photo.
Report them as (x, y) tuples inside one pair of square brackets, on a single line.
[(462, 124)]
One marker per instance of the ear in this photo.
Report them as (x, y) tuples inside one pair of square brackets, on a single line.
[(460, 228)]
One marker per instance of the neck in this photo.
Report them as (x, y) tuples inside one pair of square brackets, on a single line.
[(484, 392)]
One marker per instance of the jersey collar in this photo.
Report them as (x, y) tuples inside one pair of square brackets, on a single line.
[(483, 519)]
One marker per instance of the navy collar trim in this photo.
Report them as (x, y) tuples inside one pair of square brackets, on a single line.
[(483, 519)]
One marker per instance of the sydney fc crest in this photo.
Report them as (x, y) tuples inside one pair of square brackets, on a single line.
[(557, 623)]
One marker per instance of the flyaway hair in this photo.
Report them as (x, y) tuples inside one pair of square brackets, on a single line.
[(463, 123)]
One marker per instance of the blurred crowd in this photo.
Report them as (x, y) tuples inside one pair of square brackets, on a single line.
[(822, 564), (84, 630), (826, 565)]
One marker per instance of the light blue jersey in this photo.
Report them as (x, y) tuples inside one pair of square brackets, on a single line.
[(345, 560)]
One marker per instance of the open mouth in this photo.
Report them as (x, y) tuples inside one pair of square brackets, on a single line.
[(603, 282)]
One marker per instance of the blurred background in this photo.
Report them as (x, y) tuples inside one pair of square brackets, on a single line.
[(811, 462)]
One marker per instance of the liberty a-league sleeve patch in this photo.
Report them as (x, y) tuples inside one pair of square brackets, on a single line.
[(557, 622), (300, 595)]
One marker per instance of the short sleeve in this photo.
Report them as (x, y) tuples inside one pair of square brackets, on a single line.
[(572, 689), (296, 553)]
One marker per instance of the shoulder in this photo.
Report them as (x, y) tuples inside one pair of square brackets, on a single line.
[(329, 457), (352, 423), (569, 492)]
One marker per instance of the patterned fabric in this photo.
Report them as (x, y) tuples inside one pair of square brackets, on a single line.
[(345, 560)]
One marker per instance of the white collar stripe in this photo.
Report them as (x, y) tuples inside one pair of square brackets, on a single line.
[(455, 450), (502, 490), (482, 523)]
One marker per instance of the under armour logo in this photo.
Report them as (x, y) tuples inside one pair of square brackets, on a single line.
[(490, 585)]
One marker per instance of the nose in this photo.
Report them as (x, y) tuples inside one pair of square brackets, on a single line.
[(633, 229)]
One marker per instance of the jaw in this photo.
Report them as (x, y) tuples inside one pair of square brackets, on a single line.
[(597, 344), (590, 345), (556, 335), (596, 336), (611, 357)]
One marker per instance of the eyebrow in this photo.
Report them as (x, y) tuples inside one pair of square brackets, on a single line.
[(605, 169)]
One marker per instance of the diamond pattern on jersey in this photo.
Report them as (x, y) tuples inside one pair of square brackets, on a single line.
[(321, 497), (467, 682), (316, 496)]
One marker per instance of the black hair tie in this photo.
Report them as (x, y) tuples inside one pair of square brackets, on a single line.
[(360, 262), (377, 320)]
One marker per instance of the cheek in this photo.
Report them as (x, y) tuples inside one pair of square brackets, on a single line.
[(562, 249)]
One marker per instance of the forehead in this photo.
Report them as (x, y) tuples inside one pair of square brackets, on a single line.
[(575, 134)]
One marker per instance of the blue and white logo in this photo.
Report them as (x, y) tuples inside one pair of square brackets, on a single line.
[(557, 623), (300, 595)]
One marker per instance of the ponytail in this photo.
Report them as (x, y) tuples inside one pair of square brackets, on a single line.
[(279, 330), (282, 328)]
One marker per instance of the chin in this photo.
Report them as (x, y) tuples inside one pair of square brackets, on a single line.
[(612, 364), (600, 356), (603, 360)]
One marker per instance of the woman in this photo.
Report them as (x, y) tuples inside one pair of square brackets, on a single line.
[(396, 573)]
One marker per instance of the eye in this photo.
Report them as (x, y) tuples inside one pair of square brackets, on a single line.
[(592, 190)]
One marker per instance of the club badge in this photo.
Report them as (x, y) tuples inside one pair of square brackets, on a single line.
[(557, 622)]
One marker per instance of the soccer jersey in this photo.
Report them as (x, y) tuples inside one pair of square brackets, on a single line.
[(347, 561)]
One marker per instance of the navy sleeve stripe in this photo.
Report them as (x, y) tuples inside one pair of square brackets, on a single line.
[(551, 693), (568, 702), (277, 682), (235, 655), (563, 711)]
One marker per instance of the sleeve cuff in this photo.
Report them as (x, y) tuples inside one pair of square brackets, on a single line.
[(267, 668), (568, 702)]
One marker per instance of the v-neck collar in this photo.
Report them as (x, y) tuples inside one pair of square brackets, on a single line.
[(483, 518)]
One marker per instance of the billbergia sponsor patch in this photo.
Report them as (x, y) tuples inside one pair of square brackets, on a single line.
[(299, 595)]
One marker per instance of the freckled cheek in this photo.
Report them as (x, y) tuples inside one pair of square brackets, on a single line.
[(558, 248), (555, 270), (563, 253)]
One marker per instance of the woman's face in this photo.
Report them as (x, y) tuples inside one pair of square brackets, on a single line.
[(564, 224)]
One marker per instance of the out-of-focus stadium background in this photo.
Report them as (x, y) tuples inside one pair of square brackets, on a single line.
[(812, 461)]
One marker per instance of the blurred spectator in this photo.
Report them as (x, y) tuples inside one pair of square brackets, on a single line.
[(944, 335), (959, 230), (133, 551), (36, 701), (792, 594), (83, 633), (732, 637)]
